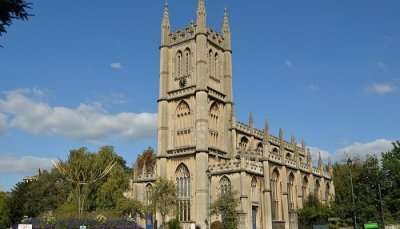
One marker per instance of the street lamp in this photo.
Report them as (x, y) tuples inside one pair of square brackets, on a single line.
[(350, 163)]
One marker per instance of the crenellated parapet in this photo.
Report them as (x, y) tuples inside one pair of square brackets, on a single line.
[(279, 151), (273, 140), (236, 165), (189, 33), (182, 35)]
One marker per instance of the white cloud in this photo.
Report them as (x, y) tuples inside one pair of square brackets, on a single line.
[(381, 88), (87, 121), (313, 87), (24, 165), (361, 150), (289, 64), (3, 123), (381, 65), (116, 65)]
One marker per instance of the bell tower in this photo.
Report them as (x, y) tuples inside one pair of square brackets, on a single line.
[(195, 105)]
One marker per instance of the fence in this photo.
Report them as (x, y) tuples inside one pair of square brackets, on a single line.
[(91, 224)]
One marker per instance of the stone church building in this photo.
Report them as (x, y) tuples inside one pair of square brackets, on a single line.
[(205, 150)]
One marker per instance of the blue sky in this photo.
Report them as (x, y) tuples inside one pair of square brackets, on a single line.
[(84, 74)]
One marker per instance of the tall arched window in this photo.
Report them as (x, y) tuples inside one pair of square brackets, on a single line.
[(211, 65), (254, 187), (243, 144), (178, 64), (214, 117), (317, 189), (183, 187), (275, 194), (304, 189), (148, 193), (183, 124), (225, 185), (188, 62), (260, 148), (291, 192), (216, 66), (327, 193)]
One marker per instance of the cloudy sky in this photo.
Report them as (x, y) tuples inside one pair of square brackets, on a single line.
[(84, 74)]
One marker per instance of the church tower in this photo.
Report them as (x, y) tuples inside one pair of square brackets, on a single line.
[(195, 106)]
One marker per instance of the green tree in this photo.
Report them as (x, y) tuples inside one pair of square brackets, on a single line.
[(226, 206), (82, 171), (110, 191), (130, 207), (18, 202), (163, 198), (391, 171), (11, 10), (313, 212), (4, 211)]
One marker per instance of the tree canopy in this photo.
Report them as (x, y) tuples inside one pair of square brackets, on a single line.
[(12, 10), (226, 205)]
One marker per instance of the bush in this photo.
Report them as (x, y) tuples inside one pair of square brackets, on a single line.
[(174, 224)]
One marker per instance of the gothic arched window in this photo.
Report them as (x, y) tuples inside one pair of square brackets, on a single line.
[(254, 187), (225, 185), (183, 188), (317, 189), (183, 124), (243, 143), (275, 194), (214, 116), (291, 191), (260, 148), (148, 192), (188, 62), (211, 65), (178, 64), (304, 189), (327, 193), (216, 66)]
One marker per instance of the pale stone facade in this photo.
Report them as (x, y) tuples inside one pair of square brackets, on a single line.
[(205, 150)]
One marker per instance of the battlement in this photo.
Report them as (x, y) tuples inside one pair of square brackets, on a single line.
[(189, 32), (273, 140), (183, 34)]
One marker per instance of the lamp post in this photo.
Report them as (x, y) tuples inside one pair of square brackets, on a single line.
[(350, 163)]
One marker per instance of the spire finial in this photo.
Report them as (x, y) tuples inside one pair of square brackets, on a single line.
[(281, 134), (320, 163), (166, 13), (201, 14), (266, 131), (226, 30), (266, 127), (165, 26), (303, 143), (293, 140), (251, 120)]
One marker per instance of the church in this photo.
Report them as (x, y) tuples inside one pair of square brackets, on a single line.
[(205, 150)]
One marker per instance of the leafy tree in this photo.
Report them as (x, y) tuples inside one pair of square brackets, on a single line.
[(18, 202), (391, 170), (174, 224), (4, 211), (11, 10), (313, 212), (226, 206), (82, 171), (163, 198), (130, 207)]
